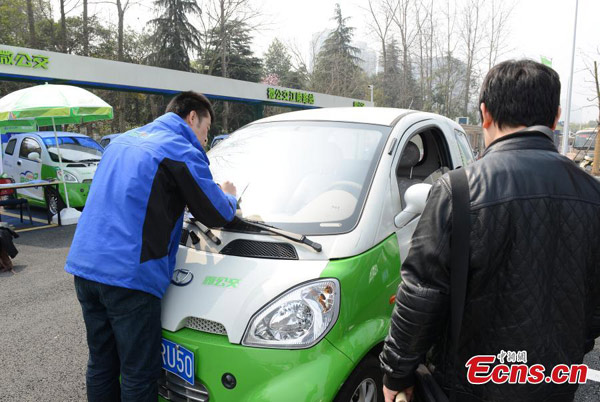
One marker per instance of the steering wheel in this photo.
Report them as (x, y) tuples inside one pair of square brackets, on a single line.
[(348, 186)]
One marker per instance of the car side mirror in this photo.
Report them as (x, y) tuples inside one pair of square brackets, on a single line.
[(34, 156), (416, 198)]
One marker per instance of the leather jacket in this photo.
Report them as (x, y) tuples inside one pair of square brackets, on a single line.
[(534, 273)]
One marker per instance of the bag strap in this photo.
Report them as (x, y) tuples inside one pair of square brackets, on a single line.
[(459, 256)]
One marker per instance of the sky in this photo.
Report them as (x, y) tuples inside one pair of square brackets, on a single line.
[(538, 27)]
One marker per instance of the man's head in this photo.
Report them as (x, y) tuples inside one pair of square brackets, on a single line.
[(516, 94), (197, 112)]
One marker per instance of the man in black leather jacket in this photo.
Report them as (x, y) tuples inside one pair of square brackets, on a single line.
[(534, 264)]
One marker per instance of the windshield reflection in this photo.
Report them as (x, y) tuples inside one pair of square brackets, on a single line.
[(306, 177)]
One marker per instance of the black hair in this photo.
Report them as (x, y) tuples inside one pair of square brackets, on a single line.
[(521, 93), (183, 104)]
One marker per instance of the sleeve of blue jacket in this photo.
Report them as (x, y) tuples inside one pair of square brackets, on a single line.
[(206, 201)]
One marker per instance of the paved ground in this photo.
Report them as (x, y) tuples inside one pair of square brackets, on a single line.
[(42, 339)]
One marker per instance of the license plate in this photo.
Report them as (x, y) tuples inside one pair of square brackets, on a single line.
[(178, 360)]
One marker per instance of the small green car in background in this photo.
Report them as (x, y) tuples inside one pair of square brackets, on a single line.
[(34, 156)]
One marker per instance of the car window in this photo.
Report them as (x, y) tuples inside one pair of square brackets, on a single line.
[(104, 142), (466, 153), (28, 146), (10, 147)]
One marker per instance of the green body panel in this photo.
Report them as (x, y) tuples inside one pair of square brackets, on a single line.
[(306, 375), (367, 282), (316, 374), (78, 192)]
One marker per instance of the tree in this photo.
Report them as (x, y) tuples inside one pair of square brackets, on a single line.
[(31, 21), (408, 28), (241, 64), (470, 34), (174, 36), (277, 61), (336, 68), (499, 17), (382, 18), (13, 22), (392, 77)]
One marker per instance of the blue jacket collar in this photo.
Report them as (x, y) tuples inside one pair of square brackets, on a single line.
[(176, 124)]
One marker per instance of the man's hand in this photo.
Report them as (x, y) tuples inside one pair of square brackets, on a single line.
[(228, 188), (389, 395)]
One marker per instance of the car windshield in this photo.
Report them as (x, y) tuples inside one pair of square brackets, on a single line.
[(585, 141), (306, 177), (74, 149)]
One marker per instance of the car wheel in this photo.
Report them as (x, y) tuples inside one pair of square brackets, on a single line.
[(365, 384), (55, 201)]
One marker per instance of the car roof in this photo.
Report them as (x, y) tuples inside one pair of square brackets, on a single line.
[(50, 134), (368, 115)]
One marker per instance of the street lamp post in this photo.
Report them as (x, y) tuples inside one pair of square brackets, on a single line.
[(565, 139), (371, 88)]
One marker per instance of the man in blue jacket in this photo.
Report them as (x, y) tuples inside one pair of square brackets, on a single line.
[(123, 251)]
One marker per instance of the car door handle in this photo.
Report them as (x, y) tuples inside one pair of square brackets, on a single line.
[(19, 163)]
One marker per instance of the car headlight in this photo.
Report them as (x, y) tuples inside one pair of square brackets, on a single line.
[(68, 177), (298, 319)]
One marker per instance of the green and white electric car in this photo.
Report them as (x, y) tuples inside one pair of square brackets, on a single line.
[(34, 156), (255, 316)]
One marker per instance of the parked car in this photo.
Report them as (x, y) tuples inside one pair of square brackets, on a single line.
[(583, 145), (256, 316), (218, 139), (33, 156), (104, 141)]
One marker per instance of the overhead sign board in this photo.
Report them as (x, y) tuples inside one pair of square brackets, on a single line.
[(37, 65)]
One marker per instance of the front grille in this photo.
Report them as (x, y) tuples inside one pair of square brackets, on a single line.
[(88, 181), (260, 249), (173, 388), (203, 325)]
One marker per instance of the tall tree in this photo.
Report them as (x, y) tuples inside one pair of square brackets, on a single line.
[(241, 64), (497, 30), (63, 27), (336, 68), (13, 23), (122, 6), (392, 79), (381, 21), (471, 36), (218, 21), (31, 20), (408, 28), (174, 36), (277, 60), (86, 33)]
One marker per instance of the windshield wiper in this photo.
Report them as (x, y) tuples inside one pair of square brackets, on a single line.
[(300, 238)]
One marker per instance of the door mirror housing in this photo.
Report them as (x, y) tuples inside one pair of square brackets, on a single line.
[(34, 156), (416, 198)]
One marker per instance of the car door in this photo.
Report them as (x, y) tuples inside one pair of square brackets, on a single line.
[(423, 155), (9, 158), (29, 169)]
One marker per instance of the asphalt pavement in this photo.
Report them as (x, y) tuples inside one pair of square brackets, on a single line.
[(43, 350)]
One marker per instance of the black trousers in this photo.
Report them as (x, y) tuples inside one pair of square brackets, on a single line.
[(124, 338)]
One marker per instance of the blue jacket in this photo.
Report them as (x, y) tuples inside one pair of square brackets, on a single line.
[(129, 231)]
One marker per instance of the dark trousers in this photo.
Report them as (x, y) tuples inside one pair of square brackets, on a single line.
[(124, 338)]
